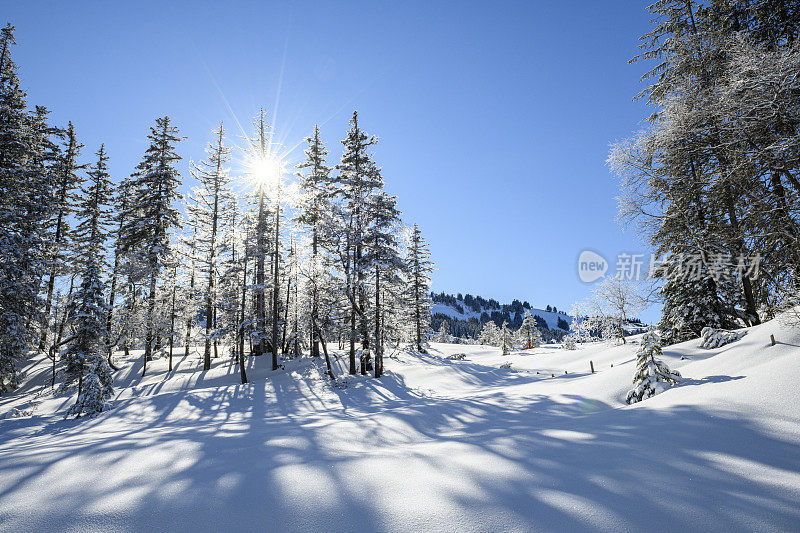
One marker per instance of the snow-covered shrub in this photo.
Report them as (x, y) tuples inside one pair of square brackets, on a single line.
[(17, 413), (457, 357), (714, 338), (568, 342), (652, 376)]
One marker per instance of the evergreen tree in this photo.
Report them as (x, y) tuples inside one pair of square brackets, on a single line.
[(690, 304), (213, 197), (531, 335), (490, 334), (419, 268), (443, 335), (315, 184), (259, 156), (85, 358), (152, 215), (67, 182), (384, 260), (26, 194), (652, 376), (356, 182), (121, 201), (506, 339)]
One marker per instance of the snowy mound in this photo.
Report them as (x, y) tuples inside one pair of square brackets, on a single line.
[(434, 445)]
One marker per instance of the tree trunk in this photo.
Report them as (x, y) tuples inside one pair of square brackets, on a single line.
[(260, 310), (378, 352), (747, 288), (314, 345), (151, 307), (172, 317)]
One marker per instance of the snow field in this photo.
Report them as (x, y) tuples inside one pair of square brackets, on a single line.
[(434, 445)]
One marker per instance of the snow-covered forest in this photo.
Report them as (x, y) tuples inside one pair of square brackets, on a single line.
[(93, 266), (242, 340)]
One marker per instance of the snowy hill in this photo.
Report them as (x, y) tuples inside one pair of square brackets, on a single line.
[(434, 445), (467, 313), (549, 317)]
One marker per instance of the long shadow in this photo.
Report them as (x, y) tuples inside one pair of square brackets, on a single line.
[(296, 453)]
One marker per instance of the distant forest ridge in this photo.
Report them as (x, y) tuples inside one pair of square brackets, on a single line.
[(466, 314)]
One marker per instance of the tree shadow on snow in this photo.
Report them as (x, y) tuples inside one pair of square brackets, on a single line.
[(298, 454)]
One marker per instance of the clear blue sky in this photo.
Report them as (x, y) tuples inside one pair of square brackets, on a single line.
[(494, 117)]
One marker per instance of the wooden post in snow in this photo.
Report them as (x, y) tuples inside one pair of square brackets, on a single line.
[(591, 365), (772, 338)]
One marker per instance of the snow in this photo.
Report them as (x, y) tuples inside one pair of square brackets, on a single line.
[(714, 338), (548, 316), (434, 445)]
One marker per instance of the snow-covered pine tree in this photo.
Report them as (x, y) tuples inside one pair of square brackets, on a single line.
[(276, 268), (418, 269), (152, 215), (569, 342), (213, 199), (506, 338), (121, 201), (531, 335), (259, 156), (231, 283), (85, 357), (382, 257), (189, 246), (315, 183), (652, 375), (67, 182), (26, 194), (357, 180), (443, 335), (490, 334), (689, 304)]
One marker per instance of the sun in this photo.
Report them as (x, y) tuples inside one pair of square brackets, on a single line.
[(266, 170)]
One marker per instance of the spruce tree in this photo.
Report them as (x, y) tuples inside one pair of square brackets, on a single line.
[(85, 358), (152, 215), (26, 195), (530, 334), (652, 375), (121, 201), (506, 339), (383, 259), (259, 156), (490, 334), (315, 184), (443, 335), (419, 268), (68, 181), (356, 181), (212, 202)]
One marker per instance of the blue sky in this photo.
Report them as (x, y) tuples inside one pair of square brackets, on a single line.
[(494, 118)]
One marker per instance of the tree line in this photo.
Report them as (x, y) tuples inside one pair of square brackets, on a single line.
[(90, 266)]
